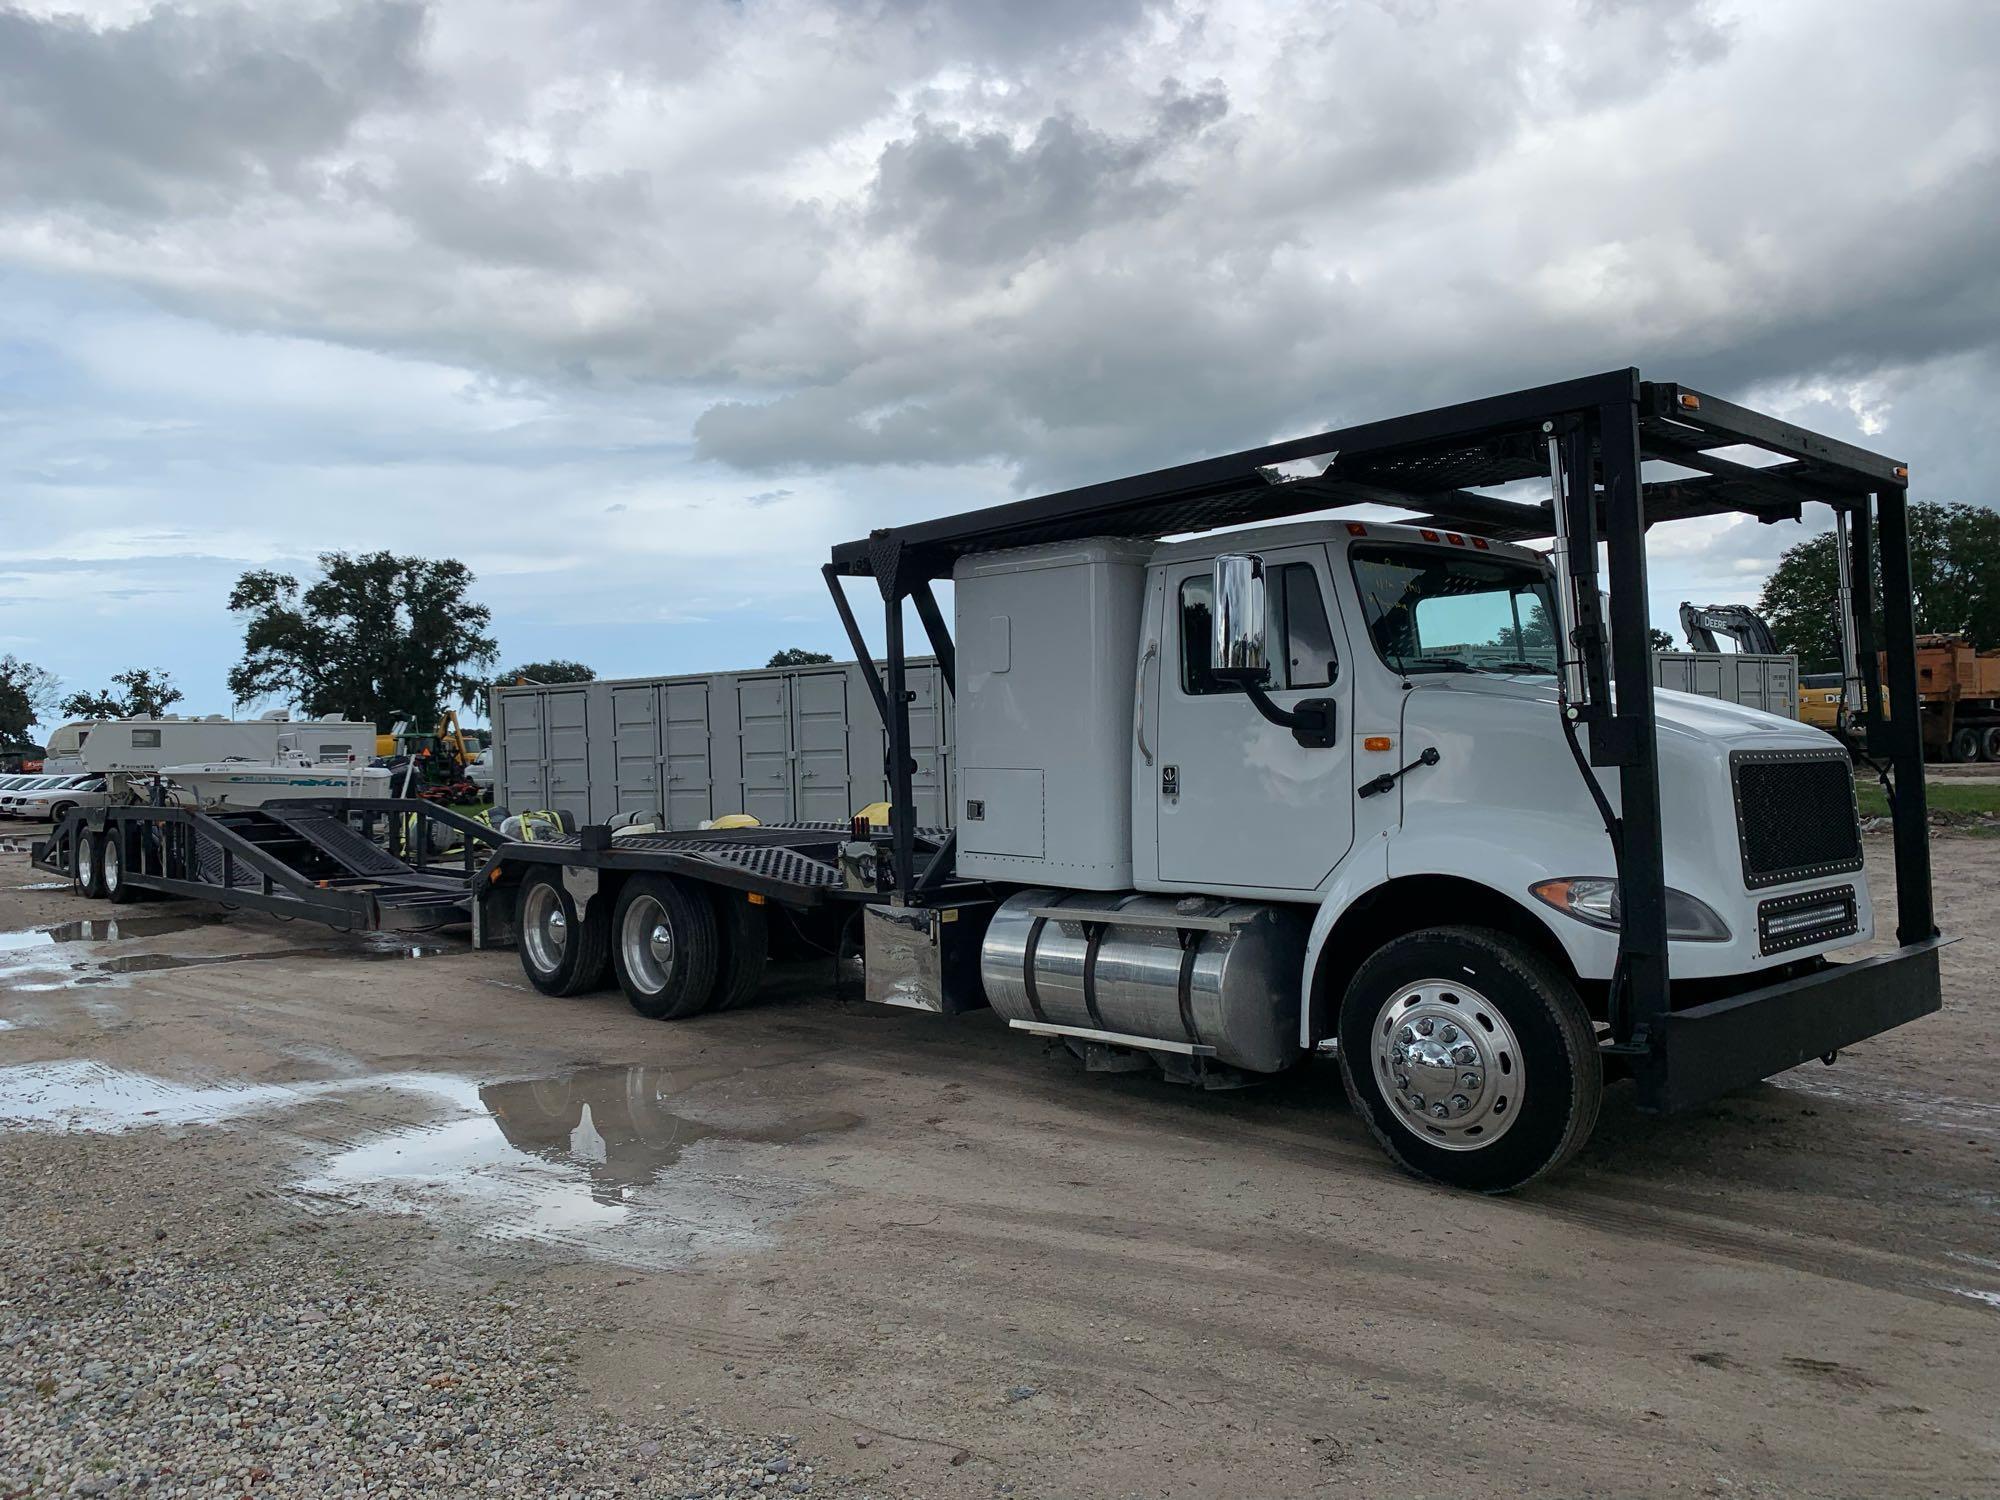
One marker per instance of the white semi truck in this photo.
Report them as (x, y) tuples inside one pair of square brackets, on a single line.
[(1230, 799)]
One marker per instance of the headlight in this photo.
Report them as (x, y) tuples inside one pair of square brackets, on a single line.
[(1593, 899)]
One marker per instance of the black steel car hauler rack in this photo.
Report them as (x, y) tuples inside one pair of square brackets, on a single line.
[(1588, 441), (321, 859)]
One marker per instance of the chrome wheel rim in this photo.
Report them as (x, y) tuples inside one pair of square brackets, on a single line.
[(1449, 1065), (113, 865), (544, 928), (646, 941), (85, 861)]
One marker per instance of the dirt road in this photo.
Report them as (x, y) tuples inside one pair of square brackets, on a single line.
[(949, 1264)]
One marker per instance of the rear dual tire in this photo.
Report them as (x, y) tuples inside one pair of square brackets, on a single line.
[(111, 864), (564, 948), (1470, 1058), (667, 949), (89, 864)]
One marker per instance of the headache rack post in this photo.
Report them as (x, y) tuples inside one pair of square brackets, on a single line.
[(1642, 998), (1904, 730)]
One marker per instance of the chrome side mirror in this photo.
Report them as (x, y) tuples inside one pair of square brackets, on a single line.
[(1239, 653)]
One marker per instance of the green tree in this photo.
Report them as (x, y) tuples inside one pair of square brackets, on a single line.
[(1658, 639), (145, 695), (546, 672), (796, 657), (27, 692), (375, 636), (1954, 583)]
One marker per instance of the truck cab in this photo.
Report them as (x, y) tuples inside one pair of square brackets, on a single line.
[(1114, 749)]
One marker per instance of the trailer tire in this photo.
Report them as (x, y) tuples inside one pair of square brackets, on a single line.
[(665, 947), (1989, 742), (111, 861), (1495, 1023), (89, 863), (563, 951), (1964, 744), (746, 944)]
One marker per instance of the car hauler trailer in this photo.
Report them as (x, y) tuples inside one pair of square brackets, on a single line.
[(1231, 800)]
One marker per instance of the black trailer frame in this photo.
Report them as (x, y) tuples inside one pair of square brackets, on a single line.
[(316, 858), (1607, 427)]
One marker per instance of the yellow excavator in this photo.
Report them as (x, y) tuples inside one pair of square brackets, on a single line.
[(439, 758)]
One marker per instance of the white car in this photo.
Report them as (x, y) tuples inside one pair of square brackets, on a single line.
[(53, 801)]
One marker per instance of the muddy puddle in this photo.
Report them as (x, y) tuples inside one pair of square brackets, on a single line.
[(59, 955), (635, 1165)]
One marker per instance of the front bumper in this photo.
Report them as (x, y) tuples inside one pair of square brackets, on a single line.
[(1712, 1048)]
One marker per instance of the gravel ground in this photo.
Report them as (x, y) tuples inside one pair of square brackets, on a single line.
[(183, 1361)]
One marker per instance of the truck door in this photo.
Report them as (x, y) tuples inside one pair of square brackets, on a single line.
[(1240, 804)]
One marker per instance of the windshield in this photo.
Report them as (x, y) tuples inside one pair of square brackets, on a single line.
[(1432, 610)]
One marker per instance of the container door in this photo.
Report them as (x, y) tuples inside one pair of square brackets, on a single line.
[(567, 735), (527, 786), (927, 746), (690, 784), (819, 701), (635, 747), (1781, 688), (763, 706)]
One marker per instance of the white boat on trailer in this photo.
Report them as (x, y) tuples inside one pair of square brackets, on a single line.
[(249, 783)]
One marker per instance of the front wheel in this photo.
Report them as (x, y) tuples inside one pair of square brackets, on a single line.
[(1470, 1057)]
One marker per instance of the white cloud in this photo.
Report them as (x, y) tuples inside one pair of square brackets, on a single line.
[(638, 307)]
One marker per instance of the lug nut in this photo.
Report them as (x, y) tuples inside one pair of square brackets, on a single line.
[(1402, 1080), (1399, 1056), (1460, 1104), (1468, 1080), (1448, 1035), (1440, 1111), (1406, 1036), (1426, 1026), (1416, 1100), (1464, 1053)]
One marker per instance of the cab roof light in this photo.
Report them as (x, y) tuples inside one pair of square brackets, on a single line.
[(1355, 528), (1428, 535), (1454, 538), (1690, 401), (1479, 544)]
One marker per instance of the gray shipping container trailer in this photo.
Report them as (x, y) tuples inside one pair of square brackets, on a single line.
[(791, 744), (1767, 682)]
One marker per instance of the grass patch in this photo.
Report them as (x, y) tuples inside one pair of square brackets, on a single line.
[(1955, 799)]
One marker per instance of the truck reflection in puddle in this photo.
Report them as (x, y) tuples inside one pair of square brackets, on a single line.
[(619, 1125), (579, 1161)]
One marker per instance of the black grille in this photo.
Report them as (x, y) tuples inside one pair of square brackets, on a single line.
[(1795, 815)]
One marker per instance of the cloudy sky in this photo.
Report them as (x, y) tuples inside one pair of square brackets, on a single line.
[(637, 306)]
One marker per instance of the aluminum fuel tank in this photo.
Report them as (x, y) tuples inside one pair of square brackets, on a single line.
[(1199, 969)]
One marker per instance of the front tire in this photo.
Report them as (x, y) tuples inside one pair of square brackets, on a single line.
[(666, 949), (1470, 1058), (563, 950)]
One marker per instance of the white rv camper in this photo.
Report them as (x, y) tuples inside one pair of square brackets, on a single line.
[(143, 746)]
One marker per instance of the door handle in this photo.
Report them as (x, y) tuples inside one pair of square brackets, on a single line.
[(1139, 701)]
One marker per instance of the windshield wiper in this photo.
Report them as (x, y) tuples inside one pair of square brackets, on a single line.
[(1443, 664), (1516, 666)]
